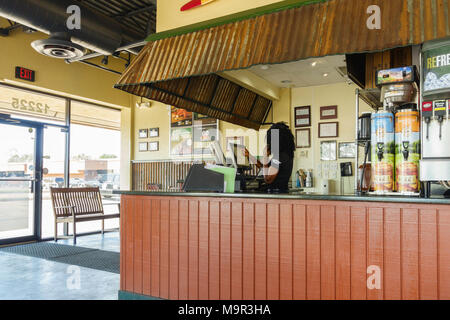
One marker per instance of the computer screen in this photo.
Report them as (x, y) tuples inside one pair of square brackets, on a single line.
[(218, 153), (239, 159)]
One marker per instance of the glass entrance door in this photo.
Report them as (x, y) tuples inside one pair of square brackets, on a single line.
[(20, 178)]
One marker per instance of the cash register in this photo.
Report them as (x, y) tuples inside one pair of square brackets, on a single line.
[(244, 181), (217, 178)]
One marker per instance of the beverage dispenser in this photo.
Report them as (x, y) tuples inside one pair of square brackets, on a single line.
[(396, 133), (435, 115)]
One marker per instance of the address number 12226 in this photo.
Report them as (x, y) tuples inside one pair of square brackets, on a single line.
[(31, 106)]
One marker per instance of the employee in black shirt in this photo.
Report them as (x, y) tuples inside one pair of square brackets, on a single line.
[(281, 146)]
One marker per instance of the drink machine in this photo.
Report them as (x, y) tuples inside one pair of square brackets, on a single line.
[(435, 116), (396, 133)]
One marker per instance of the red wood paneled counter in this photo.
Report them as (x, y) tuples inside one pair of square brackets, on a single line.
[(200, 246)]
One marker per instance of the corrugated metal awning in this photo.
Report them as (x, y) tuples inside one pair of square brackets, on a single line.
[(294, 30)]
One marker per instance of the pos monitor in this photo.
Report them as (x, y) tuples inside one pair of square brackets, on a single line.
[(218, 153), (239, 160)]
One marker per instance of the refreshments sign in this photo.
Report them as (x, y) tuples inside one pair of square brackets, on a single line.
[(436, 67)]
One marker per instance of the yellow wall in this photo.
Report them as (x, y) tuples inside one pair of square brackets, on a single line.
[(75, 80), (169, 15), (155, 117), (281, 107), (342, 95)]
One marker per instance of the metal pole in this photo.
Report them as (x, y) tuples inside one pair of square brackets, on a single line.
[(99, 67), (67, 156), (356, 139), (67, 146), (425, 185), (128, 48), (38, 166)]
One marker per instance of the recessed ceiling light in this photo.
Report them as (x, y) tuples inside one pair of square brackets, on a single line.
[(264, 67), (325, 74), (313, 64)]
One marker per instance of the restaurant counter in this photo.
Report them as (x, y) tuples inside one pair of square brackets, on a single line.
[(295, 195), (283, 246)]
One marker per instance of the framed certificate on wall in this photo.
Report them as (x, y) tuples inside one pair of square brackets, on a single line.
[(303, 138), (328, 151), (302, 116), (328, 129), (329, 112)]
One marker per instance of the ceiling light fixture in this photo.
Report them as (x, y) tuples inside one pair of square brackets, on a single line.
[(314, 64), (264, 67), (286, 81), (143, 105), (325, 74)]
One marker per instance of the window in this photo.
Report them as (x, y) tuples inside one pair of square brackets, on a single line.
[(95, 155), (95, 144)]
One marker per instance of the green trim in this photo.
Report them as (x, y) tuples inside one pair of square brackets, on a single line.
[(125, 295), (244, 15)]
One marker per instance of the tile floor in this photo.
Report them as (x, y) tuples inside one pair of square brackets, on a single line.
[(28, 278)]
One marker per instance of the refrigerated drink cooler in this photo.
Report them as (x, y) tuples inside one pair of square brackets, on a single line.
[(435, 116)]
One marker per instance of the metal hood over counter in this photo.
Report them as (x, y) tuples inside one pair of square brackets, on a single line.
[(177, 67)]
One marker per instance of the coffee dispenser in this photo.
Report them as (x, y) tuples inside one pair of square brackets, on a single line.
[(396, 133), (435, 115)]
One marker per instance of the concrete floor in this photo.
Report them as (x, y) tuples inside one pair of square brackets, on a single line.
[(29, 278)]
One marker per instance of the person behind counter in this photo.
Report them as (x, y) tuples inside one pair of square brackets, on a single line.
[(277, 171)]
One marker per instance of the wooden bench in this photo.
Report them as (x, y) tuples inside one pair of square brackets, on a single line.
[(72, 205)]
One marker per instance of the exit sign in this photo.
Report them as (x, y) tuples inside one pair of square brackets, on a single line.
[(25, 74)]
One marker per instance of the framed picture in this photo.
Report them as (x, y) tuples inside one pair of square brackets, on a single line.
[(153, 146), (328, 151), (347, 150), (303, 138), (235, 140), (143, 146), (153, 132), (302, 116), (329, 112), (181, 141), (143, 133), (328, 129)]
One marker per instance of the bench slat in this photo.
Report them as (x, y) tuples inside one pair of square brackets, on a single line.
[(86, 201)]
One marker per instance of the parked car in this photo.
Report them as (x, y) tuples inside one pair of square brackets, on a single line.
[(93, 183), (48, 183), (77, 183), (110, 185)]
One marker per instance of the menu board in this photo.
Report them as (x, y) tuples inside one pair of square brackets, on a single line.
[(191, 133), (180, 118), (202, 120)]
